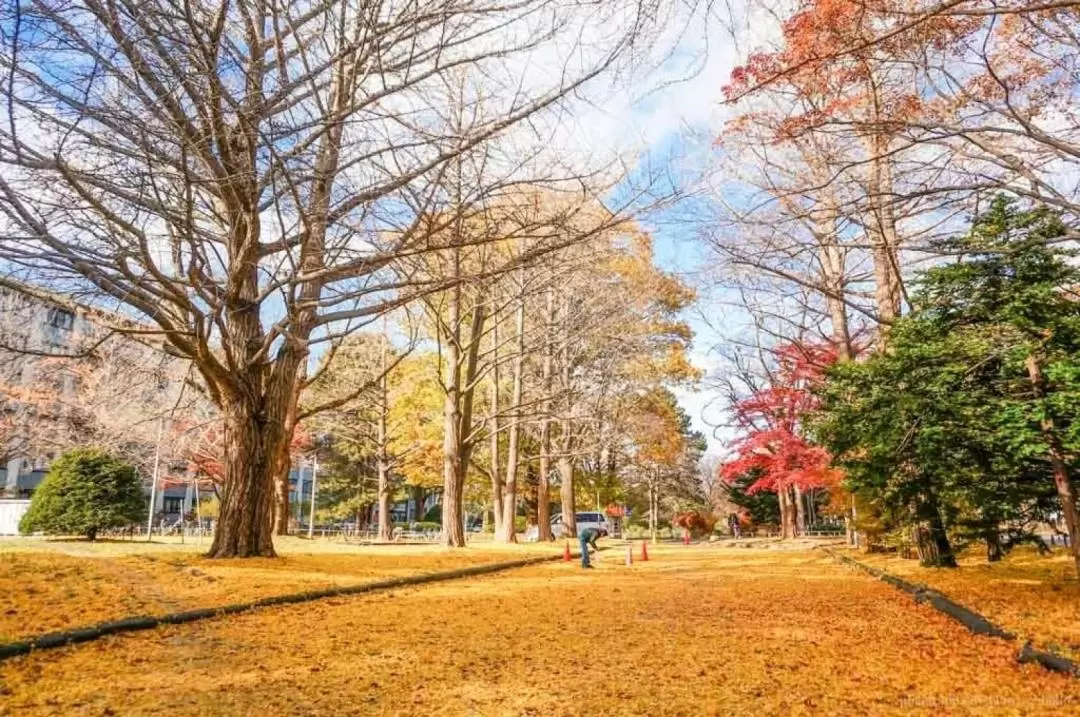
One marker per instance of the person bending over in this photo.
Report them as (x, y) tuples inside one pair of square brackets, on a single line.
[(588, 537)]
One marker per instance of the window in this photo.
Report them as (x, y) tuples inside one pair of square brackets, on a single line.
[(61, 319), (173, 505)]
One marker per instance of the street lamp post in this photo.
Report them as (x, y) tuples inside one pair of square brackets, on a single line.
[(314, 487), (153, 486)]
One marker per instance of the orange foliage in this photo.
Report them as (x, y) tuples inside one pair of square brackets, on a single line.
[(694, 631)]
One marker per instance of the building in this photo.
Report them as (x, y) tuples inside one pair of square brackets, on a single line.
[(55, 393), (121, 398)]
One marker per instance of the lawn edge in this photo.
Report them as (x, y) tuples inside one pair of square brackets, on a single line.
[(136, 623), (973, 621)]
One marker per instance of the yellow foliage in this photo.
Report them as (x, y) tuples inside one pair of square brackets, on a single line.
[(695, 631), (416, 412), (44, 589), (1035, 596)]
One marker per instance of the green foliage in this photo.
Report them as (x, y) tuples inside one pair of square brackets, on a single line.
[(942, 430), (85, 491), (434, 515), (762, 507)]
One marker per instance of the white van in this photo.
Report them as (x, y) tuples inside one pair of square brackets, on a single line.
[(583, 520)]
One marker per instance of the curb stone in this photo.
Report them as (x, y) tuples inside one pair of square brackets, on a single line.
[(970, 619), (148, 622)]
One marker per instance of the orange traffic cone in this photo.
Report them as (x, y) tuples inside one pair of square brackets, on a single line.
[(644, 551), (566, 552), (629, 556)]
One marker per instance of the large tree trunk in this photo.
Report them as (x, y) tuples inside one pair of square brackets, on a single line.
[(508, 534), (1063, 482), (458, 417), (800, 510), (930, 512), (787, 514), (280, 471), (245, 521)]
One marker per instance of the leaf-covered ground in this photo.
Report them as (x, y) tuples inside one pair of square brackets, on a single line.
[(1034, 596), (50, 585), (696, 631)]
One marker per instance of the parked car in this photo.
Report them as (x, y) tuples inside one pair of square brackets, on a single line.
[(583, 520)]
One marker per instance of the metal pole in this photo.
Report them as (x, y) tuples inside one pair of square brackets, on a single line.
[(153, 486), (314, 483), (198, 514)]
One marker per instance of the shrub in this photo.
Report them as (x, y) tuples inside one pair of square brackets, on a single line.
[(86, 490), (696, 521)]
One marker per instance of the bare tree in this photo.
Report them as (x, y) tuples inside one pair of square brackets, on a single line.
[(242, 174)]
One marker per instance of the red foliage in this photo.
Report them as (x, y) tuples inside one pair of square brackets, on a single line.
[(830, 52), (696, 521), (770, 418)]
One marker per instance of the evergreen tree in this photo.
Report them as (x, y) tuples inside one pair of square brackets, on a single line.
[(967, 424), (85, 491)]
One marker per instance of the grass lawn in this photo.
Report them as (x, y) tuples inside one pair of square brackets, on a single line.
[(1036, 597), (48, 585), (695, 631)]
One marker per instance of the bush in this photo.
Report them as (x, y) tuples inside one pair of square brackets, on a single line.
[(696, 521), (426, 526), (85, 491)]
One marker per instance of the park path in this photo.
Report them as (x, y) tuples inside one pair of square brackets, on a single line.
[(695, 631)]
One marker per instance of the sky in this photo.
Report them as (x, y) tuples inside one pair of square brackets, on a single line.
[(675, 125)]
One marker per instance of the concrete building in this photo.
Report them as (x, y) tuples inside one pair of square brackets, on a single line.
[(54, 396)]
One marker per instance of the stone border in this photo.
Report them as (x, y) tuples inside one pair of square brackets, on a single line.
[(970, 619), (149, 622)]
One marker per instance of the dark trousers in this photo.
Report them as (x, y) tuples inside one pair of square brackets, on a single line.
[(584, 551)]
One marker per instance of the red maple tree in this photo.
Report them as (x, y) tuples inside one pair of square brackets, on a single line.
[(773, 446)]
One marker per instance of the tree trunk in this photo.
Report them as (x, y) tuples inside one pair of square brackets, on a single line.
[(493, 430), (884, 240), (245, 521), (418, 503), (527, 493), (543, 484), (543, 487), (566, 495), (1063, 482), (994, 550), (458, 417), (930, 512), (854, 524), (833, 271), (508, 534), (800, 510), (280, 470), (787, 513), (383, 457), (652, 512)]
